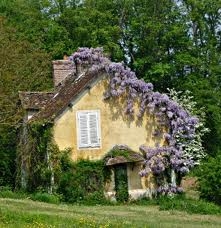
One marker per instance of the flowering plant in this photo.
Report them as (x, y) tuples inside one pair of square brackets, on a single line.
[(184, 136)]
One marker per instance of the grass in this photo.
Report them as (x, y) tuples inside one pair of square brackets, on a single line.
[(27, 213)]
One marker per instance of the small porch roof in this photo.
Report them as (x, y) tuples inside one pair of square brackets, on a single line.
[(121, 154)]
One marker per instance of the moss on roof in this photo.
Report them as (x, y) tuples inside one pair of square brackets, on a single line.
[(35, 100), (122, 154), (52, 104)]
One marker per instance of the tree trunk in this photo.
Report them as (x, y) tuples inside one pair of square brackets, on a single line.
[(173, 177)]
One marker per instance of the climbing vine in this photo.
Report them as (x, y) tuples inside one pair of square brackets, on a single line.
[(43, 167), (83, 181), (38, 158), (121, 182), (182, 125)]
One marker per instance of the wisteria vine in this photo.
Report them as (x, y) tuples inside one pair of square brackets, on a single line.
[(181, 125)]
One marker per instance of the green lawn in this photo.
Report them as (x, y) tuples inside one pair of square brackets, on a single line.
[(26, 213)]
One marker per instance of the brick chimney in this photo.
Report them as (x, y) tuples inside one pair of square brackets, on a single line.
[(62, 68)]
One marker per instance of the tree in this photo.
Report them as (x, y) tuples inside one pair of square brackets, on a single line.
[(93, 24), (34, 25), (203, 77), (22, 67), (8, 155), (209, 176)]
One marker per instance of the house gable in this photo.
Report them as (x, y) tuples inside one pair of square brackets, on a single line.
[(116, 127)]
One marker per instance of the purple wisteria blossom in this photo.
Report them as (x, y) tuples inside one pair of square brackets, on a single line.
[(169, 190), (169, 113)]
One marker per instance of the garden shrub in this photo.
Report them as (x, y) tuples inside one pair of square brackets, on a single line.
[(209, 176), (180, 203), (191, 206), (95, 198), (83, 181), (7, 192), (45, 197)]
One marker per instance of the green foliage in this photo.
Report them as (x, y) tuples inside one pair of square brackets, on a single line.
[(209, 175), (94, 198), (26, 213), (22, 67), (207, 95), (93, 24), (41, 169), (8, 155), (39, 173), (6, 192), (45, 197), (118, 152), (83, 181), (181, 203), (189, 205), (121, 183), (33, 25)]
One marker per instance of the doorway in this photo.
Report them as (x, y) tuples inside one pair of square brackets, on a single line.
[(121, 182)]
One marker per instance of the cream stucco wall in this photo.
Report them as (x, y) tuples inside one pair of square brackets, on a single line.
[(116, 128), (134, 179)]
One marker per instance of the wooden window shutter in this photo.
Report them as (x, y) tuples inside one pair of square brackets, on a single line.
[(83, 137), (88, 129), (94, 129)]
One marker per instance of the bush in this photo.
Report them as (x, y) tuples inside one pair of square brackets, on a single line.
[(83, 181), (209, 176), (96, 198), (181, 203), (45, 197), (191, 206), (6, 192)]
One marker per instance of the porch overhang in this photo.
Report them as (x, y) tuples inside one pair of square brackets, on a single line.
[(122, 154)]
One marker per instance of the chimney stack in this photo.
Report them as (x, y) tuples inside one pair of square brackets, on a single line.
[(61, 69)]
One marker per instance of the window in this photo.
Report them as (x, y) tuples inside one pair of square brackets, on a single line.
[(88, 129)]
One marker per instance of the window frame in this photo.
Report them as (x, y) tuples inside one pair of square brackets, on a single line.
[(90, 145)]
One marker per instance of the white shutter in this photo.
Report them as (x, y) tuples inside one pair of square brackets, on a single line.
[(88, 129), (93, 129), (83, 136)]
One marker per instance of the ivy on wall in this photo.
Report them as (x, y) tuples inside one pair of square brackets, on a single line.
[(43, 167), (83, 181), (121, 182), (38, 158)]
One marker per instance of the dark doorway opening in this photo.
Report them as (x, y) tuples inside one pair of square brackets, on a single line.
[(121, 182)]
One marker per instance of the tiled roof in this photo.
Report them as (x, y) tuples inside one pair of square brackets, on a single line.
[(65, 93), (35, 100)]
